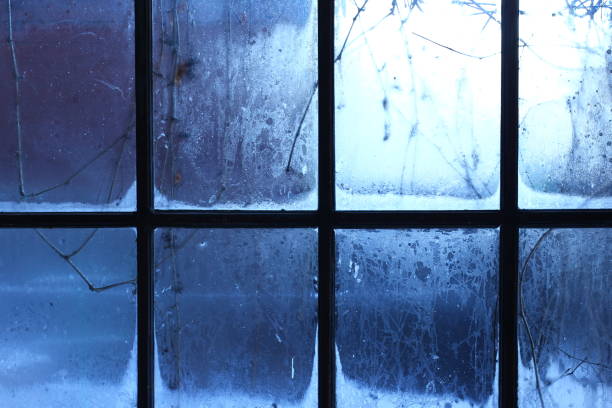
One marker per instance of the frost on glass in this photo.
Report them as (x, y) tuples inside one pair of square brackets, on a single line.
[(67, 105), (565, 318), (235, 318), (565, 104), (417, 104), (416, 318), (67, 318), (235, 104)]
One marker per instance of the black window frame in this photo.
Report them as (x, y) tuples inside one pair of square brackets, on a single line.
[(508, 218)]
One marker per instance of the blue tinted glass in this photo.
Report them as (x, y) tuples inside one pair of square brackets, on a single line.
[(236, 317)]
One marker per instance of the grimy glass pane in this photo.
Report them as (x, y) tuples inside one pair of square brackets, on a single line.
[(565, 104), (236, 318), (417, 104), (67, 318), (416, 318), (67, 105), (235, 104), (565, 318)]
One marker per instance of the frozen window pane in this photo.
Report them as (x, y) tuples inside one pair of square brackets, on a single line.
[(565, 104), (236, 318), (416, 318), (235, 104), (67, 105), (63, 344), (417, 105), (565, 318)]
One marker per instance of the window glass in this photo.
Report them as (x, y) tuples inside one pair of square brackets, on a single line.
[(67, 113), (236, 317), (565, 104), (235, 104), (67, 318), (565, 318), (417, 105), (416, 318)]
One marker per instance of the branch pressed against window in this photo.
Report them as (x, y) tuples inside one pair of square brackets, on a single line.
[(233, 113)]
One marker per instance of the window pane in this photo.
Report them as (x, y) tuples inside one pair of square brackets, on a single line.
[(416, 317), (236, 317), (235, 104), (67, 105), (63, 344), (417, 105), (565, 104), (565, 318)]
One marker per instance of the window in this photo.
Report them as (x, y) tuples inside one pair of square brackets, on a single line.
[(319, 269)]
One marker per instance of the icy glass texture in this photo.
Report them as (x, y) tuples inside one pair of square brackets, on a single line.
[(236, 318), (565, 318), (62, 344), (417, 105), (67, 105), (235, 104), (565, 104), (416, 318)]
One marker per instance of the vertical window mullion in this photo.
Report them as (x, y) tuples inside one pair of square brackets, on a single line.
[(326, 355), (508, 282), (143, 80)]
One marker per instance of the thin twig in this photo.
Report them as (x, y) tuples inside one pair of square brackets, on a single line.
[(68, 259), (359, 10), (452, 49), (584, 360), (523, 314), (83, 167), (299, 128), (11, 42)]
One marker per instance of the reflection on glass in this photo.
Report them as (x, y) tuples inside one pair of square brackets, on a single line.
[(66, 105), (235, 317), (416, 318), (417, 104), (565, 104), (235, 104), (565, 318), (67, 318)]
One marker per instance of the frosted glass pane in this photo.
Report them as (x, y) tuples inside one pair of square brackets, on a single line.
[(67, 105), (565, 104), (235, 104), (63, 344), (416, 318), (417, 105), (565, 318), (236, 318)]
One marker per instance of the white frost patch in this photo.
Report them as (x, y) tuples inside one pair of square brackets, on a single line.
[(209, 399), (127, 203)]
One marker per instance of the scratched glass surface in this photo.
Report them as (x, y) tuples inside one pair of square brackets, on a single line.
[(67, 318), (235, 104), (67, 105), (236, 318), (565, 318), (565, 104), (416, 318), (417, 104)]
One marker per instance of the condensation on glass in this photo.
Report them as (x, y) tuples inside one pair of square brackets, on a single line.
[(565, 318), (67, 318), (565, 104), (235, 104), (417, 104), (67, 105), (416, 317), (236, 317)]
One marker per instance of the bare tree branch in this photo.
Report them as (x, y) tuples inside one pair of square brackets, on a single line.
[(299, 128), (68, 259), (355, 17), (17, 76)]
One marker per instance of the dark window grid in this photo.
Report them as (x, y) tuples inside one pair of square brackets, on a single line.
[(508, 218)]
